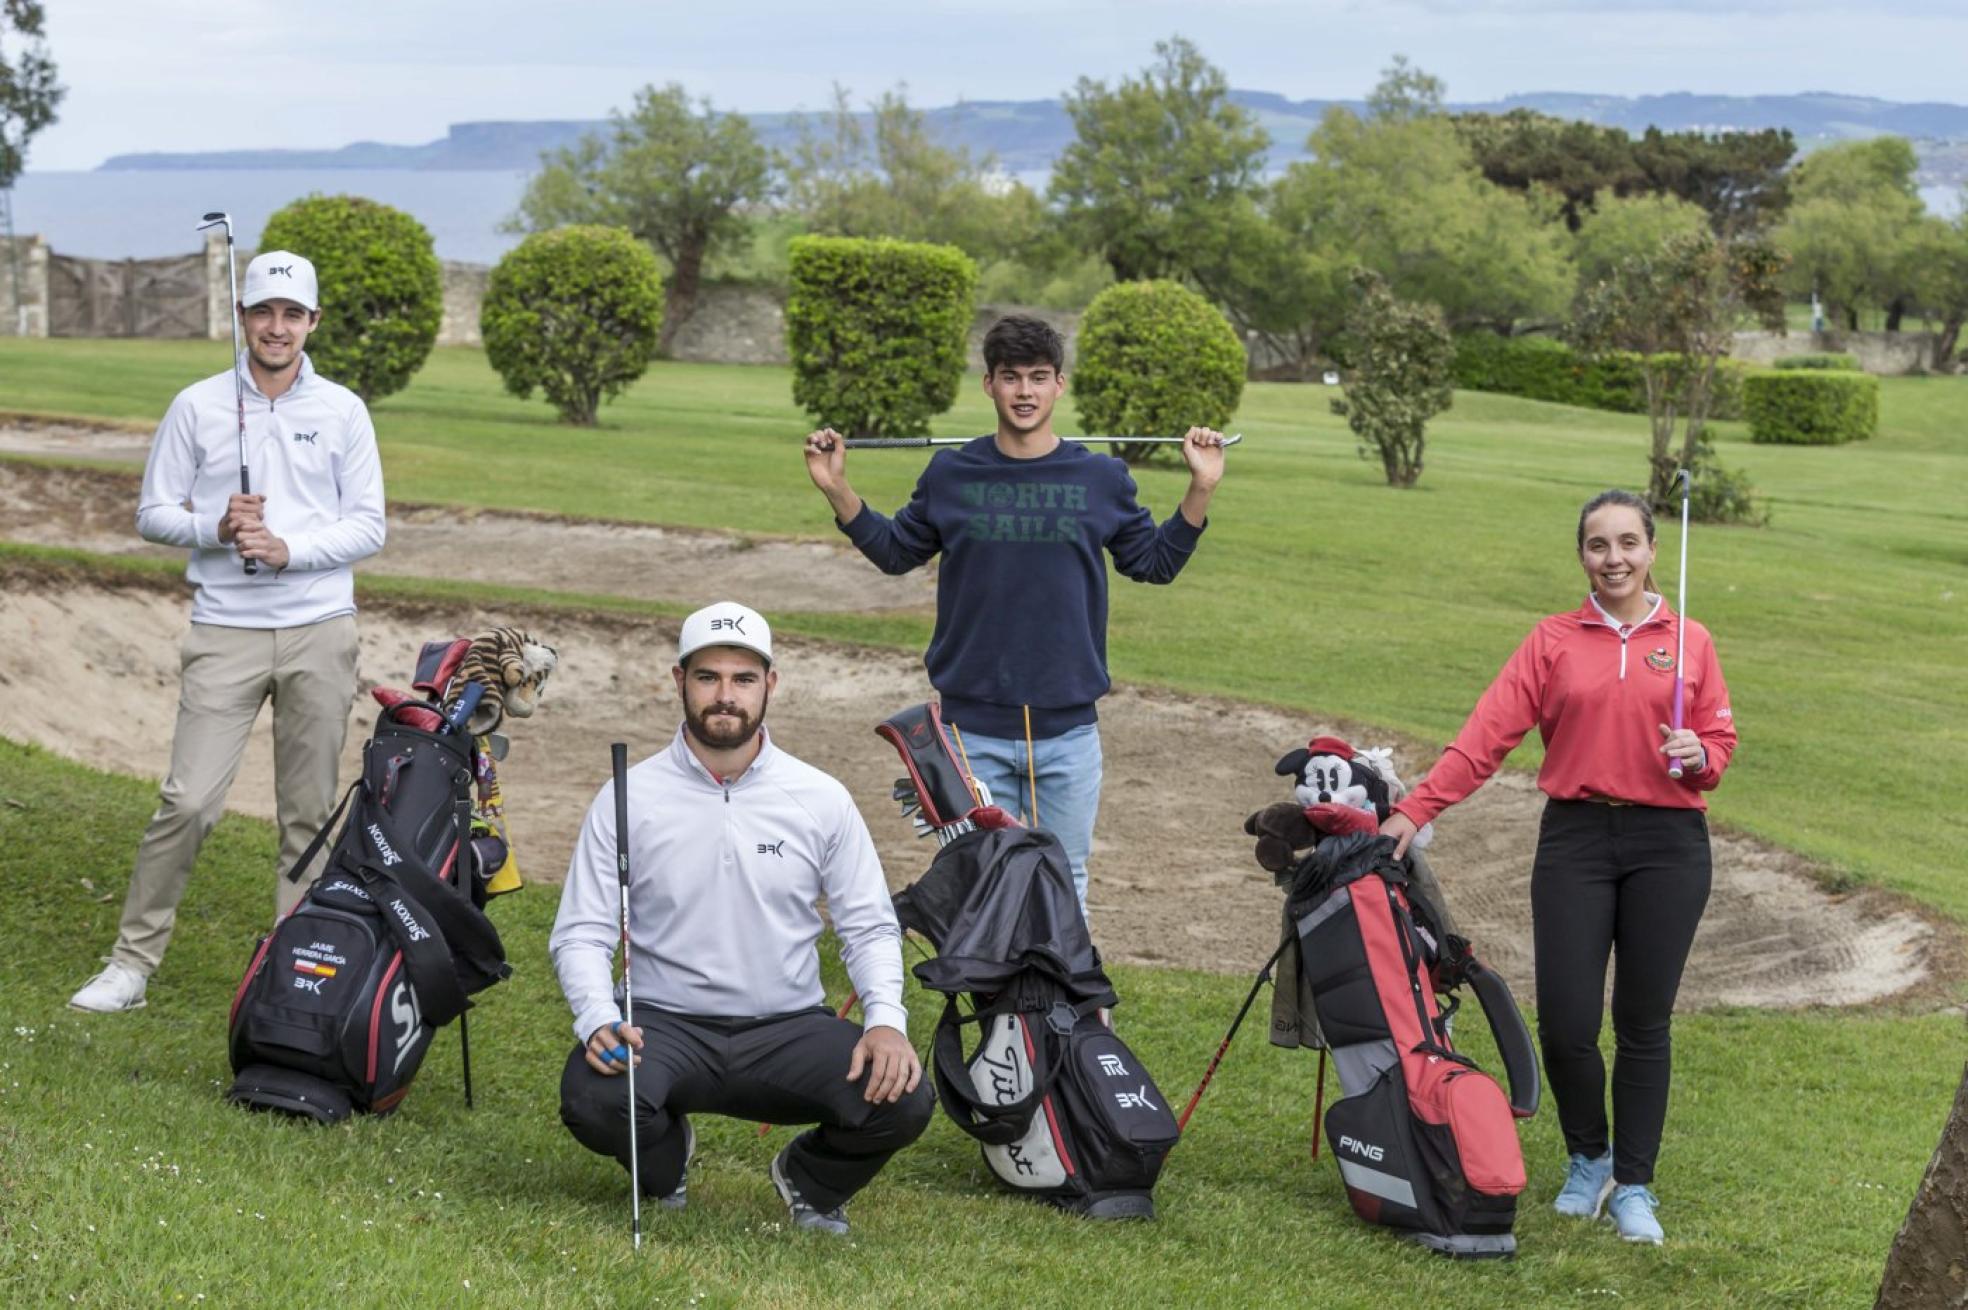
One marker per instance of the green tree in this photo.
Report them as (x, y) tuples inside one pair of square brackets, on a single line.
[(1155, 358), (1583, 163), (1618, 228), (1678, 308), (577, 312), (1936, 262), (1404, 91), (1854, 212), (678, 178), (1155, 163), (382, 290), (1403, 368), (29, 93), (892, 178), (877, 332), (1738, 177)]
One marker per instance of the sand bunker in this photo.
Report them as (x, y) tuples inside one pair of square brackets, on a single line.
[(91, 672)]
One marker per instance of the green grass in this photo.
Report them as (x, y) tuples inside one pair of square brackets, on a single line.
[(1794, 1146), (1841, 626)]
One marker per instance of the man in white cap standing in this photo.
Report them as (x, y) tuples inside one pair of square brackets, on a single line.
[(731, 842), (284, 632)]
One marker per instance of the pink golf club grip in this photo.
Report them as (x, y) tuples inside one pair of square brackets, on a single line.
[(1677, 720)]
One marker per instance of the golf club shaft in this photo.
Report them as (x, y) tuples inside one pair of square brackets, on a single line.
[(219, 218), (1263, 976), (619, 757), (1679, 720), (918, 443)]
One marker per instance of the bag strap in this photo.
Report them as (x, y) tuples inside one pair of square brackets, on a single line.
[(320, 838), (426, 953), (991, 1122), (1513, 1039)]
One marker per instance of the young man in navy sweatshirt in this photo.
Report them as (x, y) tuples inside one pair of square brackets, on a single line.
[(1021, 519)]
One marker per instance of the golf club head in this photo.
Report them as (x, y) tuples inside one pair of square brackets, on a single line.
[(1687, 481), (218, 218)]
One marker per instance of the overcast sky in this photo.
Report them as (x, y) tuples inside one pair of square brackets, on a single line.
[(224, 74)]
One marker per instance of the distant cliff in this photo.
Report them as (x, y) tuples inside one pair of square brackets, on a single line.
[(1027, 135)]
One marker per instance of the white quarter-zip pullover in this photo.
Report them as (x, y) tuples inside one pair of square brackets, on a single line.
[(311, 452), (724, 880)]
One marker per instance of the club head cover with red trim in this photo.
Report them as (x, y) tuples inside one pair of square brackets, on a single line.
[(1335, 820), (991, 816)]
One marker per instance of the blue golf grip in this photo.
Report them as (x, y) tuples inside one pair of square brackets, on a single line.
[(467, 702)]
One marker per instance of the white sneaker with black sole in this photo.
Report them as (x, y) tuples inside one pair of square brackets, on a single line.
[(118, 987), (804, 1215)]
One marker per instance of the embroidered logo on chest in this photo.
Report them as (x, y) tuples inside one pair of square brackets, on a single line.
[(1660, 658)]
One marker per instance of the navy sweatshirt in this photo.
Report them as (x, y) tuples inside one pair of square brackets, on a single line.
[(1021, 602)]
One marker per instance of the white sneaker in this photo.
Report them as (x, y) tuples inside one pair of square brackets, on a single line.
[(117, 987)]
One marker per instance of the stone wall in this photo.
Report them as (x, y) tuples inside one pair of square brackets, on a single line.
[(733, 325), (33, 253), (1889, 353), (464, 296)]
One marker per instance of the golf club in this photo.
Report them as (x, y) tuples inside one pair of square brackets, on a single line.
[(619, 752), (917, 443), (219, 218), (1681, 623)]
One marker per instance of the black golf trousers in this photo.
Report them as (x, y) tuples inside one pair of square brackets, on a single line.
[(784, 1069), (1629, 880)]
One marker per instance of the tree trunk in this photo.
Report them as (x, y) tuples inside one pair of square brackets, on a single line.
[(1945, 342), (1928, 1265), (686, 275), (1895, 311)]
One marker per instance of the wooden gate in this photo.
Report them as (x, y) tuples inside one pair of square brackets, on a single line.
[(127, 297)]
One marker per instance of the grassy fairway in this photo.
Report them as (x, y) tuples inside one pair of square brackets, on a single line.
[(124, 1180), (1841, 626)]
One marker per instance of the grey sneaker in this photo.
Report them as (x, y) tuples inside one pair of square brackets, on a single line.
[(679, 1198), (117, 987), (832, 1221), (1587, 1181), (1632, 1212)]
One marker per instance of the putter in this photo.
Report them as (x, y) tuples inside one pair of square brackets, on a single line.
[(917, 443), (219, 218), (619, 752), (1674, 769)]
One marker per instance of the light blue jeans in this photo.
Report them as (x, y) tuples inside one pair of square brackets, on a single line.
[(1068, 783)]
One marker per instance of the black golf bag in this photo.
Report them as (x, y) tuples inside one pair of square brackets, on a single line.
[(339, 1004), (1065, 1112), (1426, 1142)]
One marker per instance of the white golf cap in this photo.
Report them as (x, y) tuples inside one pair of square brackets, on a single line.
[(280, 275), (726, 623)]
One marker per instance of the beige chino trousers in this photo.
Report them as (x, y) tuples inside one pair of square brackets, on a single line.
[(309, 672)]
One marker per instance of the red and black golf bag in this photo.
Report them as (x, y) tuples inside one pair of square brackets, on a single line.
[(1426, 1142), (339, 1004), (1065, 1112)]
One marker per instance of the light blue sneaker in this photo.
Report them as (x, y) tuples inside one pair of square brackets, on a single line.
[(1587, 1181), (1632, 1212)]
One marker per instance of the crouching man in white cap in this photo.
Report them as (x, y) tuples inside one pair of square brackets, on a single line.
[(731, 842), (284, 632)]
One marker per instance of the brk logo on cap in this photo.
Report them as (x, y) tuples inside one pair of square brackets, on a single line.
[(280, 275), (726, 623)]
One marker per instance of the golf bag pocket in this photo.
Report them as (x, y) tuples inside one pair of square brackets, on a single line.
[(1374, 1145), (327, 1001), (1119, 1117)]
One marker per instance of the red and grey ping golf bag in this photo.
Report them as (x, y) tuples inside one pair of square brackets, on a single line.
[(1065, 1111), (339, 1004), (1425, 1141)]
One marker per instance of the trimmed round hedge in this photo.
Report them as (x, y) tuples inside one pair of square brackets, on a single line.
[(1811, 407), (575, 311), (1155, 359), (878, 331), (382, 292)]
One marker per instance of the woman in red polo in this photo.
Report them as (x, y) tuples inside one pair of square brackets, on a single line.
[(1622, 865)]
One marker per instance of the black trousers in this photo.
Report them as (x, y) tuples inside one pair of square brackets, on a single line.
[(785, 1069), (1630, 881)]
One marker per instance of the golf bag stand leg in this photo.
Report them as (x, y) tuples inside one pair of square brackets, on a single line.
[(464, 1051)]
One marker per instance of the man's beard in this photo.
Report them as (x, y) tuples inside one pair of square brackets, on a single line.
[(723, 735)]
